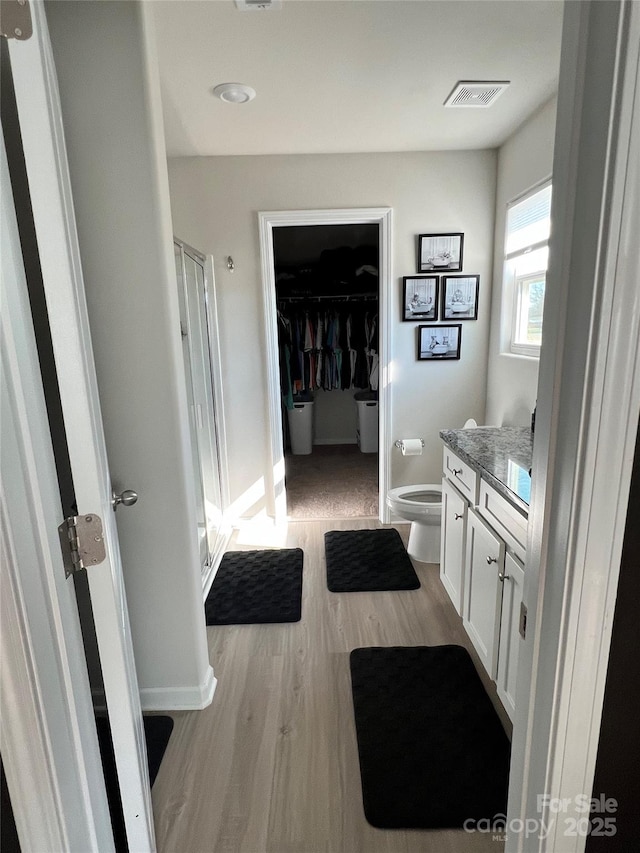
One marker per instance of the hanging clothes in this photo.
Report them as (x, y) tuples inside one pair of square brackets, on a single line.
[(371, 332), (284, 348), (328, 345)]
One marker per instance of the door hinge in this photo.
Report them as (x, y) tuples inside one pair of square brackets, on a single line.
[(15, 19), (81, 542), (523, 620)]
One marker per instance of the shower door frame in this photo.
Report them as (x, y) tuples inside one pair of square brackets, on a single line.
[(216, 550), (268, 220)]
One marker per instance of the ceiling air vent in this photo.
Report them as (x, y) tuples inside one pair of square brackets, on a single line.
[(467, 93), (258, 5)]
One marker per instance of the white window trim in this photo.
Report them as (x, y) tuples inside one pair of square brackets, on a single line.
[(509, 281), (531, 350)]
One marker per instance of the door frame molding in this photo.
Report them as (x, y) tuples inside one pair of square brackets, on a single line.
[(267, 221), (587, 424)]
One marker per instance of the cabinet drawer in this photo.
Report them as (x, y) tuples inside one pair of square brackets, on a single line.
[(505, 519), (460, 474)]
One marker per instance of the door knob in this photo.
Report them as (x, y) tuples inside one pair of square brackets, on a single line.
[(457, 516), (502, 577), (492, 560), (126, 498)]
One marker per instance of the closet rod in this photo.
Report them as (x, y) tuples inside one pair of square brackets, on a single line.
[(342, 297)]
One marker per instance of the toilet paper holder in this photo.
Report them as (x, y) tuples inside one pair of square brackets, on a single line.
[(398, 443)]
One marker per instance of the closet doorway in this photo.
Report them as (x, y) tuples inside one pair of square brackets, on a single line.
[(326, 288)]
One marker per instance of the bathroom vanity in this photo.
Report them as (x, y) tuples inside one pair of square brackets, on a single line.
[(486, 488)]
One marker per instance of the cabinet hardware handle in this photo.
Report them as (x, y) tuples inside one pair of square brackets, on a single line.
[(457, 515), (456, 471), (492, 560), (503, 577)]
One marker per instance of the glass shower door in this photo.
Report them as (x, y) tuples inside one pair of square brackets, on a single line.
[(192, 288)]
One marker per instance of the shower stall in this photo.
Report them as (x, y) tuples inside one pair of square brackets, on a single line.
[(198, 328)]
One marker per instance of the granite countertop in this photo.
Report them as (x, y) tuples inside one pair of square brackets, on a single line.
[(502, 457)]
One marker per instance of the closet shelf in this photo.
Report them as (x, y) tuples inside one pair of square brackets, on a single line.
[(340, 297)]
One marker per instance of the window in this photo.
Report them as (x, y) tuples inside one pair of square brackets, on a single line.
[(525, 268)]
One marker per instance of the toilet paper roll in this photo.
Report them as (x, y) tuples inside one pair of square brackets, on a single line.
[(411, 446)]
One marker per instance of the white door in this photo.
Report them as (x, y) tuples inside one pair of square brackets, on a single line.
[(47, 171), (454, 523), (483, 590), (47, 729)]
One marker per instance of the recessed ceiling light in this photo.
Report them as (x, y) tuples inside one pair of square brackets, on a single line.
[(234, 93)]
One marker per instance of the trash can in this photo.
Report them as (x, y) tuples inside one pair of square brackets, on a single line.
[(367, 432), (301, 427)]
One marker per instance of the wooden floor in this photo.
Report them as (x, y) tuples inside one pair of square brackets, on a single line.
[(271, 766)]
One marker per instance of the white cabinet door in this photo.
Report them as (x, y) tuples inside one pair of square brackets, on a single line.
[(454, 521), (510, 633), (483, 590)]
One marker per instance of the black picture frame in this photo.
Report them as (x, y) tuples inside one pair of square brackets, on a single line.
[(433, 250), (439, 343), (459, 295), (420, 291)]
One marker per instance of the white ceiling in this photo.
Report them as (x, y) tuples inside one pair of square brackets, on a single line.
[(336, 76)]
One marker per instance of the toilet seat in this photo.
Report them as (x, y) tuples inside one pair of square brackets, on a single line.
[(422, 506), (408, 496)]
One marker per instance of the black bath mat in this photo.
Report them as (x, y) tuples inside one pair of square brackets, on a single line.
[(432, 750), (368, 561), (157, 731), (253, 587)]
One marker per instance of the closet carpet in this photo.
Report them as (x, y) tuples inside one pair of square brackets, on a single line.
[(335, 481)]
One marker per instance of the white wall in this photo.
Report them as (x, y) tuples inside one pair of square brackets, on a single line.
[(113, 127), (215, 201), (524, 160)]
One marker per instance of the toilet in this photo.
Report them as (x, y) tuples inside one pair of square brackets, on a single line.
[(422, 506)]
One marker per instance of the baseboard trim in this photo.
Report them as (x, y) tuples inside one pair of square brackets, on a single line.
[(351, 440), (179, 698)]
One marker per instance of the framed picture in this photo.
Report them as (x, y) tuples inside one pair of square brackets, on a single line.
[(440, 252), (439, 343), (420, 297), (460, 297)]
